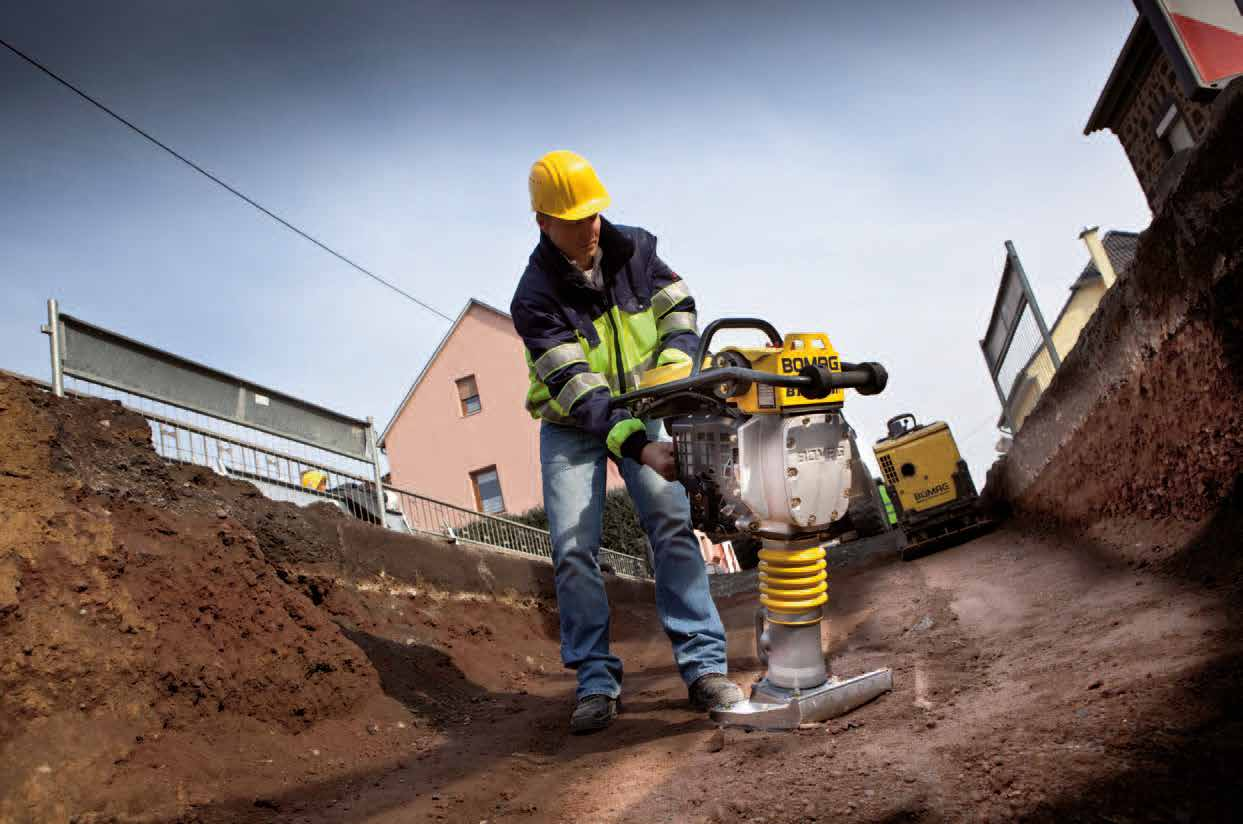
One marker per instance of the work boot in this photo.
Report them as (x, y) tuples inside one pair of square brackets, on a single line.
[(713, 691), (592, 714)]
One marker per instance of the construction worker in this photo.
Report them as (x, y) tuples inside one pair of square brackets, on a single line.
[(595, 307), (315, 479)]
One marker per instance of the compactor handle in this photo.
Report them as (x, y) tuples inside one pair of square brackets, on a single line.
[(867, 378), (813, 381), (705, 338), (899, 425)]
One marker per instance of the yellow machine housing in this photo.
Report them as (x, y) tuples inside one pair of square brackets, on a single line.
[(919, 467), (797, 349), (928, 482)]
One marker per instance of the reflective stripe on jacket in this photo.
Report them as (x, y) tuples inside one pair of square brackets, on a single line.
[(584, 345)]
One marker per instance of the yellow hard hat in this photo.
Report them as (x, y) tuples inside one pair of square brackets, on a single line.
[(315, 479), (564, 185)]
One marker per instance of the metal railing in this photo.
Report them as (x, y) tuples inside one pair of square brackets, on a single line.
[(445, 520), (218, 405)]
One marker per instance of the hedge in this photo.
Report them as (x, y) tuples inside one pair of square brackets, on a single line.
[(621, 533)]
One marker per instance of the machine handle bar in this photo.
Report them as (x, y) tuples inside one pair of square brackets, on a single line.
[(820, 382), (717, 325)]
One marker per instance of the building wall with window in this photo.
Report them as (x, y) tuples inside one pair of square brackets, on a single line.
[(1160, 123), (1145, 106), (1036, 377), (462, 434), (462, 429)]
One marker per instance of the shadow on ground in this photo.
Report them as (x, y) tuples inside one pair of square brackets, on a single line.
[(426, 681)]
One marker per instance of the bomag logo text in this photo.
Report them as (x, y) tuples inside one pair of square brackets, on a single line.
[(795, 364), (931, 492)]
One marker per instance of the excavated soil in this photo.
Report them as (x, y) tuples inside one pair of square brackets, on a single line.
[(169, 640), (1141, 429), (173, 647)]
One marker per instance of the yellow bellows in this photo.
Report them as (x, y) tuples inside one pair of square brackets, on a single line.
[(793, 582)]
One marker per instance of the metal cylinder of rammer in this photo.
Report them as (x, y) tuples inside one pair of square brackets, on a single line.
[(793, 590)]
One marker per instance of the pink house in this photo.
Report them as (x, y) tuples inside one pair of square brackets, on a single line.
[(461, 434)]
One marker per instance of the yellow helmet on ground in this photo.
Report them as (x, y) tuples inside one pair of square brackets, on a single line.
[(315, 479), (564, 185)]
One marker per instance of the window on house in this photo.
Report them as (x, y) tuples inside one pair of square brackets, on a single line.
[(468, 395), (487, 485), (1173, 132)]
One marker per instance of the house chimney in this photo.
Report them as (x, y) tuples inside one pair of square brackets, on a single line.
[(1092, 239)]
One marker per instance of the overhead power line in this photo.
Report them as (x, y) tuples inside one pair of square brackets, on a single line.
[(196, 167), (976, 430)]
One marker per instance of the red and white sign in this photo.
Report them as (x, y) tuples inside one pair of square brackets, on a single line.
[(1210, 35)]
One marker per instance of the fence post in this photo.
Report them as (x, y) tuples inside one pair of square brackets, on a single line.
[(52, 330), (1001, 395), (373, 449), (1035, 307)]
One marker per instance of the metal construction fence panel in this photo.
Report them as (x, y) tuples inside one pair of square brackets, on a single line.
[(277, 466), (106, 358), (290, 449), (1026, 359), (282, 469), (1017, 346)]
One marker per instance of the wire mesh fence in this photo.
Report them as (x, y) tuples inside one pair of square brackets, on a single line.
[(287, 470), (291, 449), (1027, 369), (282, 469), (456, 523), (1017, 346)]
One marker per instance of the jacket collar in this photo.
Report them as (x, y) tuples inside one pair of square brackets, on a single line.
[(617, 249)]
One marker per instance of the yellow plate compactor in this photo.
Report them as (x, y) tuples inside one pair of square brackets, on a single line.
[(929, 484), (763, 450)]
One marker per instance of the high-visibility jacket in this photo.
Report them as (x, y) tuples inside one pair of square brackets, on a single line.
[(585, 345)]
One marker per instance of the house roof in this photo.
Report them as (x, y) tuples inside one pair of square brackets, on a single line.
[(1120, 246), (1138, 53), (470, 304)]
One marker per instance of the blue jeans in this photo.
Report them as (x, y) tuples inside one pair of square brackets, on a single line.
[(574, 470)]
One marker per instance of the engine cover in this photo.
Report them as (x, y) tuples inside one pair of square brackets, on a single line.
[(795, 472), (784, 478)]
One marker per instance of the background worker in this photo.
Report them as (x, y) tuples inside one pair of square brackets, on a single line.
[(315, 479), (595, 307)]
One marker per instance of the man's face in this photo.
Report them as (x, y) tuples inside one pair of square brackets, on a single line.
[(577, 239)]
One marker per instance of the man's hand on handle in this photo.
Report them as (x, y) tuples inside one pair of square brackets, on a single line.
[(659, 456)]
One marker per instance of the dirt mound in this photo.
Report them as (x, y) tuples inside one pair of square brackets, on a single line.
[(127, 611), (176, 647), (108, 450)]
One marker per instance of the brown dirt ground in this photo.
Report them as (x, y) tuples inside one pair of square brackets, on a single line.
[(1055, 683), (160, 662)]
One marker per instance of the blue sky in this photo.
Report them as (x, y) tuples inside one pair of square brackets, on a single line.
[(848, 168)]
